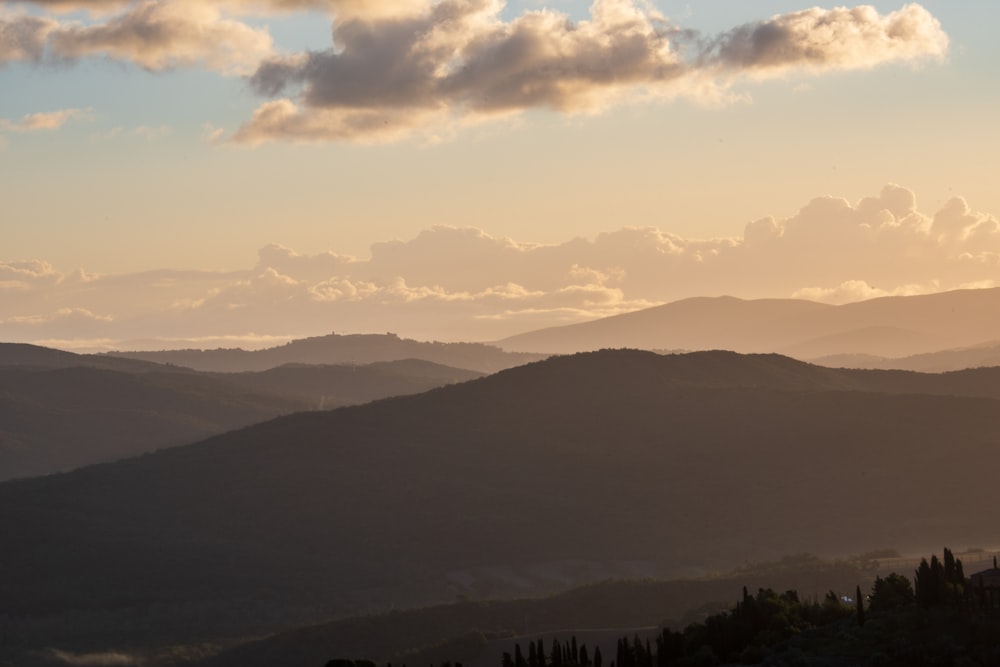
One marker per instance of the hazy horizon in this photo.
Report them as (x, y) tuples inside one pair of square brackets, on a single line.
[(450, 283)]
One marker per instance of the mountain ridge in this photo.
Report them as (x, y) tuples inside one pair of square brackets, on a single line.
[(60, 410), (805, 329)]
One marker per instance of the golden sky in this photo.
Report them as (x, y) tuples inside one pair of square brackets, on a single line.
[(474, 168)]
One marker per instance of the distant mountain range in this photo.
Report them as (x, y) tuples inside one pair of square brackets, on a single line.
[(977, 356), (60, 410), (551, 473), (889, 327), (340, 349)]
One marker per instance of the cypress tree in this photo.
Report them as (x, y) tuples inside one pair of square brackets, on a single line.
[(861, 605), (518, 657), (598, 661)]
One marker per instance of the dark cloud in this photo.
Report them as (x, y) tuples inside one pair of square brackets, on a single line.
[(459, 60)]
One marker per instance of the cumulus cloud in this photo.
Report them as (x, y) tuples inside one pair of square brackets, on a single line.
[(153, 34), (464, 283), (399, 67), (158, 35), (820, 39), (460, 60)]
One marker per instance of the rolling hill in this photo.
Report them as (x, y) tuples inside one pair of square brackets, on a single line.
[(889, 326), (340, 349), (543, 475), (60, 410)]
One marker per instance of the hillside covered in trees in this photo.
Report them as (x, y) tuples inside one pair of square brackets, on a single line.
[(558, 473)]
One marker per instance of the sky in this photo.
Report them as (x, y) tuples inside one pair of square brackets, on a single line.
[(239, 172)]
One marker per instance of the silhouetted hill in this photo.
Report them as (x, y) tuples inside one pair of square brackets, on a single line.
[(389, 637), (552, 472), (60, 410), (23, 355), (341, 349), (895, 326), (55, 419)]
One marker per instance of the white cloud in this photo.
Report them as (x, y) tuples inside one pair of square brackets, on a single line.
[(465, 283), (46, 120)]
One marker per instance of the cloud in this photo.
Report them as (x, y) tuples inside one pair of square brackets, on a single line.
[(820, 39), (858, 290), (339, 7), (25, 274), (153, 34), (22, 38), (158, 35), (48, 120), (398, 68), (464, 283), (460, 61)]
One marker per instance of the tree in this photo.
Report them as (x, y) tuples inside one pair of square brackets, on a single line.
[(893, 592), (860, 601)]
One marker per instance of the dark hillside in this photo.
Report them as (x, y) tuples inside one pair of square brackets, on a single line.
[(60, 410), (62, 418), (334, 386), (22, 355), (612, 457)]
